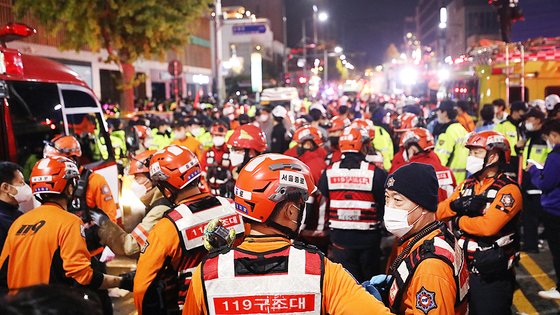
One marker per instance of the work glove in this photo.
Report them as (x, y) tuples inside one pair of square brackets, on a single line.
[(98, 217), (372, 290), (216, 236), (377, 284), (127, 280), (471, 206)]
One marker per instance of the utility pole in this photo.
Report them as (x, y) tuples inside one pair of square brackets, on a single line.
[(304, 42), (220, 83), (285, 37)]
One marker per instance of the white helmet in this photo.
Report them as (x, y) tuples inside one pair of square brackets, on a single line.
[(551, 101), (279, 111)]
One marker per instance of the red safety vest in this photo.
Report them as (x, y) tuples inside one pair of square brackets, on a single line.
[(284, 281), (352, 204), (190, 219), (507, 238), (443, 246)]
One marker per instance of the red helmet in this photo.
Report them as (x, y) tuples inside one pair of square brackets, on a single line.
[(353, 139), (142, 131), (489, 140), (308, 133), (420, 136), (248, 137), (51, 175), (405, 121), (266, 180), (364, 123), (66, 146), (300, 122), (173, 168), (218, 129), (140, 162), (338, 123)]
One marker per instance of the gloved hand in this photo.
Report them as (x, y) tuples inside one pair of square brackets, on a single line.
[(380, 280), (98, 217), (217, 236), (470, 205), (127, 280), (372, 290), (377, 284)]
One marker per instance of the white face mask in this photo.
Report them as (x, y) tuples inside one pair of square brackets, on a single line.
[(197, 131), (529, 126), (263, 118), (236, 158), (219, 141), (23, 194), (148, 143), (396, 221), (137, 189), (180, 135), (474, 164), (549, 144)]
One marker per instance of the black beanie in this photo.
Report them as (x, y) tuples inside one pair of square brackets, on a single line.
[(417, 182)]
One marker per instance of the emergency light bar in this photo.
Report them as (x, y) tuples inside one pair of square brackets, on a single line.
[(15, 31)]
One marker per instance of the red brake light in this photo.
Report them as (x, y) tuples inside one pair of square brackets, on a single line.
[(15, 31), (11, 62)]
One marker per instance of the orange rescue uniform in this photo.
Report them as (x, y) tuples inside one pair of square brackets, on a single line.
[(496, 215), (433, 279), (47, 245), (98, 195), (341, 294), (192, 144)]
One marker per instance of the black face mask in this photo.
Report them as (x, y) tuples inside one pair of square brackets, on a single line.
[(334, 141)]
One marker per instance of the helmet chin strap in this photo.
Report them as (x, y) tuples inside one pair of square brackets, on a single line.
[(291, 234)]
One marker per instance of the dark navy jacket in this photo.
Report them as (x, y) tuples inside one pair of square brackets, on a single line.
[(548, 180)]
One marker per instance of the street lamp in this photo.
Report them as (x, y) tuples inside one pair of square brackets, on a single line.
[(323, 16)]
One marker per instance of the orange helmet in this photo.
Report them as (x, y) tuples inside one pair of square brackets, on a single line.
[(338, 123), (248, 137), (353, 139), (52, 174), (218, 129), (142, 131), (405, 121), (367, 124), (420, 136), (173, 168), (66, 146), (140, 162), (266, 181), (308, 133), (489, 140)]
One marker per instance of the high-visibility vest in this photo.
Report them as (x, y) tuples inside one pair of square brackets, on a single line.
[(352, 204), (511, 132), (283, 281), (444, 247), (190, 219), (384, 144)]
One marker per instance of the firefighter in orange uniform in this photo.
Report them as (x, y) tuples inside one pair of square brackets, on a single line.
[(215, 163), (429, 275), (175, 246), (417, 145), (268, 272), (46, 245), (338, 123), (354, 189), (484, 211), (246, 142)]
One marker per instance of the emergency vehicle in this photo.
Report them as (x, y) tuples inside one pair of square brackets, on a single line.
[(41, 98), (513, 72)]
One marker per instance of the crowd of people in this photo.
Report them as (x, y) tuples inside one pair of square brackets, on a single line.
[(271, 209)]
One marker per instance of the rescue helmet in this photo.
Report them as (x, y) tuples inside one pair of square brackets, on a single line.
[(218, 129), (140, 163), (51, 175), (269, 179), (364, 123), (338, 123), (489, 140), (405, 121), (66, 146), (142, 132), (308, 133), (173, 168), (419, 136), (551, 100), (248, 137), (353, 139)]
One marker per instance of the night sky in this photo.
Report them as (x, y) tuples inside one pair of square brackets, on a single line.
[(362, 27)]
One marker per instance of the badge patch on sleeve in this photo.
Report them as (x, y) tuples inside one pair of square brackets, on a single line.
[(507, 200), (425, 300)]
